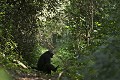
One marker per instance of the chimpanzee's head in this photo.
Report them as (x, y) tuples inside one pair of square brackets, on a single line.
[(50, 53)]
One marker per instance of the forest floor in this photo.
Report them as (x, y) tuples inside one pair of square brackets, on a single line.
[(35, 75)]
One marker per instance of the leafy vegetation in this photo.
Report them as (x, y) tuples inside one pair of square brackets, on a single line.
[(83, 34)]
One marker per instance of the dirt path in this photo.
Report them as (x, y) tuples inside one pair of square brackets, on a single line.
[(32, 76)]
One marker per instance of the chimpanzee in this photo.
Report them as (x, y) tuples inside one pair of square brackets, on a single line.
[(44, 63)]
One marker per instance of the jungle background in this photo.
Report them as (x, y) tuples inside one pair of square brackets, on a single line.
[(83, 34)]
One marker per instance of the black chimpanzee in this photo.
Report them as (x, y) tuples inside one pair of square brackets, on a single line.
[(44, 63)]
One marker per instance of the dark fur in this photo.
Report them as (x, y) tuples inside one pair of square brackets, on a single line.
[(44, 63)]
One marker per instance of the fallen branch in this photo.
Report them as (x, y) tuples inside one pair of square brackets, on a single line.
[(20, 63)]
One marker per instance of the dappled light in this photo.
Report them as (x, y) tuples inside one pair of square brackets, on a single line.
[(83, 35)]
